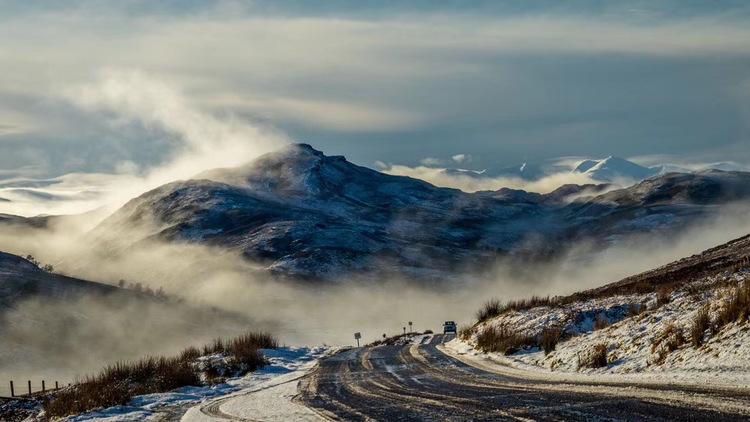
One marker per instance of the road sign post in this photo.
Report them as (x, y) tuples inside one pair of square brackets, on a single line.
[(357, 336)]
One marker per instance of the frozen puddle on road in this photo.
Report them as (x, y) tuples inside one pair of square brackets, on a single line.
[(265, 395)]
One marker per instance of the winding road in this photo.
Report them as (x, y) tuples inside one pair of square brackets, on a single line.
[(419, 382)]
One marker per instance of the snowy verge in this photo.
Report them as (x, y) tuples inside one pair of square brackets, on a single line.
[(266, 395), (286, 364), (615, 385), (514, 367)]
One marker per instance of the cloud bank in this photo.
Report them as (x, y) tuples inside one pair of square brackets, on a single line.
[(198, 141)]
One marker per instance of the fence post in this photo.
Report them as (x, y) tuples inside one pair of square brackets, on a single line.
[(43, 386), (56, 386), (29, 388), (12, 392)]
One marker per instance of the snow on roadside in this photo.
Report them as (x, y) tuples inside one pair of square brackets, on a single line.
[(724, 359), (266, 395), (286, 362)]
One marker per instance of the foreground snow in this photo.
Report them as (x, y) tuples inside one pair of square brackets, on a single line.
[(269, 391), (637, 349), (265, 395)]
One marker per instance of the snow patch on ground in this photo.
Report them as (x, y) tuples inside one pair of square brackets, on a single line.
[(265, 395)]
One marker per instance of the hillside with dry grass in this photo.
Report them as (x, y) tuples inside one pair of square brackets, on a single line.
[(688, 320)]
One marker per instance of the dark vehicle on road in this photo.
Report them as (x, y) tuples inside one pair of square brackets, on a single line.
[(449, 327)]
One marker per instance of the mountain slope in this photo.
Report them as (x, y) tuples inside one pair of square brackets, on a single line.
[(304, 214), (22, 280), (686, 321)]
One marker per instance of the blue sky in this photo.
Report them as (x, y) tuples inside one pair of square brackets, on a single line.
[(396, 82)]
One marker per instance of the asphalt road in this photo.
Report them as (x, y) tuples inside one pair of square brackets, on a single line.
[(420, 383)]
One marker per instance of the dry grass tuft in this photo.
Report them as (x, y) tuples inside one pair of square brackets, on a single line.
[(549, 338), (503, 340), (601, 322), (464, 332), (489, 309), (595, 358), (700, 325)]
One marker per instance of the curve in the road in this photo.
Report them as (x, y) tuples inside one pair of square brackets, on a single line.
[(418, 383)]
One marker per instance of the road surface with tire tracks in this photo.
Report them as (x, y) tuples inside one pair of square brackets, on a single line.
[(421, 383)]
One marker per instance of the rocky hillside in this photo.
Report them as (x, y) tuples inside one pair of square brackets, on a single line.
[(303, 214)]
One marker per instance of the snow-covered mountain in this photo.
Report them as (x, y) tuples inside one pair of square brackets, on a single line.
[(607, 170), (304, 214), (612, 169), (524, 171)]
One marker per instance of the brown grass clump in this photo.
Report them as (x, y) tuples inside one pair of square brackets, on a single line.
[(503, 340), (601, 322), (489, 309), (662, 295), (464, 332), (670, 340), (596, 358), (635, 309), (190, 353), (494, 307), (700, 325), (738, 307), (549, 338)]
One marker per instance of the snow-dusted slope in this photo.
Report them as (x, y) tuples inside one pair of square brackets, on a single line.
[(646, 324), (304, 214)]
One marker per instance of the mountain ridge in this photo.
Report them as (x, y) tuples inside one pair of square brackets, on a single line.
[(304, 214)]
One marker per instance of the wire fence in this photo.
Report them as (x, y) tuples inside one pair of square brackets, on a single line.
[(26, 388)]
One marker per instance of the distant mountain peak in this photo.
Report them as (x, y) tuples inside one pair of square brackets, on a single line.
[(612, 168), (300, 148)]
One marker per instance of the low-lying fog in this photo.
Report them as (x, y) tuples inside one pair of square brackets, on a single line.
[(53, 339), (44, 337)]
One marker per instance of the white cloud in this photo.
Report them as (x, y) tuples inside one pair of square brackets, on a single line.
[(429, 161), (460, 158), (133, 96)]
